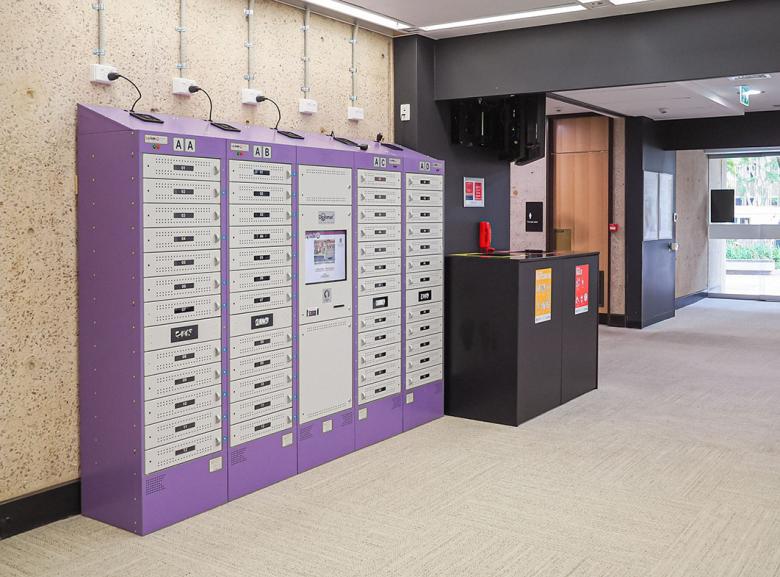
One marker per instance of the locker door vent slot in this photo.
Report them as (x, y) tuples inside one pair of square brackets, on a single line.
[(155, 484)]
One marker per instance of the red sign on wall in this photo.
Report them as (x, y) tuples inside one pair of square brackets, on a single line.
[(581, 297)]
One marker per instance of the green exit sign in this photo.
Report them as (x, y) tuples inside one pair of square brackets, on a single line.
[(744, 95)]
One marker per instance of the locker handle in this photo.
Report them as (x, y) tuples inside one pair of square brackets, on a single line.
[(184, 380), (262, 342), (184, 285), (184, 427), (185, 450), (184, 262), (263, 426), (259, 364), (262, 257), (183, 215), (262, 384), (215, 214), (259, 300), (262, 193), (180, 310), (183, 404), (184, 357), (262, 278), (262, 405)]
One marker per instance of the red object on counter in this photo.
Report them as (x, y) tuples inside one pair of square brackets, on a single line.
[(485, 237)]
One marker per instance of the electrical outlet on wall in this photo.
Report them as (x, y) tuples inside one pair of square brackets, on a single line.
[(307, 106), (181, 86), (355, 113), (98, 73), (249, 96)]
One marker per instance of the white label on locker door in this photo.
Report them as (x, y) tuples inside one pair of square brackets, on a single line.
[(260, 321), (260, 406), (423, 377), (433, 262), (362, 413), (383, 354), (180, 167), (379, 232), (175, 239), (180, 215), (380, 302), (260, 257), (181, 404), (409, 398), (287, 440), (253, 171), (424, 214), (180, 310), (260, 364), (180, 263), (424, 247), (260, 215), (423, 344), (379, 196), (182, 381), (327, 426), (250, 301), (182, 451), (260, 279), (257, 343), (179, 287), (369, 214), (371, 321), (423, 312), (379, 267), (379, 284), (262, 427), (260, 193), (423, 296), (422, 280), (163, 336), (184, 357), (369, 250), (183, 144), (379, 372), (180, 191), (155, 139), (379, 337), (424, 230), (180, 428), (249, 236), (242, 389)]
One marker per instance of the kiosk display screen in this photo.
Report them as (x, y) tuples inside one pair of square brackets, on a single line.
[(326, 256)]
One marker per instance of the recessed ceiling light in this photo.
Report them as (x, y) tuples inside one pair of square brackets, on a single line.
[(507, 17), (621, 2), (360, 13)]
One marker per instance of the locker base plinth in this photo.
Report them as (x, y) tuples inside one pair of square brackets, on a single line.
[(427, 404), (383, 419), (261, 463), (317, 445)]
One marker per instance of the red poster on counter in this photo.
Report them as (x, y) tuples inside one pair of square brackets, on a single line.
[(581, 297)]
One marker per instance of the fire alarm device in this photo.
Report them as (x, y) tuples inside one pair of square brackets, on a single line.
[(614, 227)]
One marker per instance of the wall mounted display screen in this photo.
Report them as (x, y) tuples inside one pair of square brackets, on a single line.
[(326, 256), (722, 205)]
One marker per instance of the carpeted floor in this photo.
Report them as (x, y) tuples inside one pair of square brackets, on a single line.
[(671, 468)]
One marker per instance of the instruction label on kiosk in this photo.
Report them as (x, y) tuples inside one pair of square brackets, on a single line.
[(581, 297), (543, 295), (473, 192)]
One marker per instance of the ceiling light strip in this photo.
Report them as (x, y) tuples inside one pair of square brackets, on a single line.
[(360, 13), (507, 17)]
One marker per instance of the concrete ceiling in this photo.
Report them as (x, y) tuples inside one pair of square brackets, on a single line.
[(428, 12), (676, 100)]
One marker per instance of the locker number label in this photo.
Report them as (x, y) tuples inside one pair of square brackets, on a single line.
[(380, 162), (188, 333), (259, 151), (425, 165), (183, 144)]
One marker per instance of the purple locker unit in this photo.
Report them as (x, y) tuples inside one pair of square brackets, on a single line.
[(423, 241), (324, 433), (379, 287), (261, 236), (138, 472)]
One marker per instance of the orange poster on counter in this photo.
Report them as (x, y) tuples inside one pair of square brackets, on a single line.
[(543, 300), (581, 297)]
